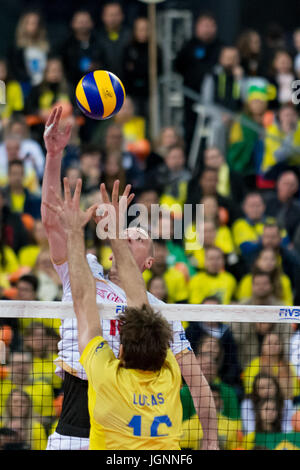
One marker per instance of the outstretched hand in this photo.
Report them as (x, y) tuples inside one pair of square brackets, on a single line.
[(110, 214), (68, 210), (56, 140)]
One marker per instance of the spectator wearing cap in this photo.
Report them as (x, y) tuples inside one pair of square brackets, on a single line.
[(244, 136)]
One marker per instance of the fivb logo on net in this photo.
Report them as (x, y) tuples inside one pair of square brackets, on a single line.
[(161, 221)]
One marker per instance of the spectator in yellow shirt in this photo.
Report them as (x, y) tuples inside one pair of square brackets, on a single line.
[(213, 158), (19, 198), (214, 280), (14, 99), (8, 264), (214, 233), (19, 415), (20, 376), (36, 341), (266, 262), (247, 231), (28, 254), (133, 127), (174, 278), (272, 360)]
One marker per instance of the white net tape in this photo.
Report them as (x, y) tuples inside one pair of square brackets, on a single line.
[(173, 312)]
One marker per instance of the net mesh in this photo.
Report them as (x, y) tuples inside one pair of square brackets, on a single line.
[(252, 367)]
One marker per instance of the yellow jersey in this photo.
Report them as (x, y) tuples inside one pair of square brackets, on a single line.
[(131, 409), (204, 285), (176, 284)]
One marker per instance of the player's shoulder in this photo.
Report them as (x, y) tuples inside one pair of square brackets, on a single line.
[(154, 300), (95, 266)]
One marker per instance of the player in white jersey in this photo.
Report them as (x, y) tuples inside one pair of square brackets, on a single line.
[(72, 431)]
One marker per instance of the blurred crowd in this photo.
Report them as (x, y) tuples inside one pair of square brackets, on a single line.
[(247, 179)]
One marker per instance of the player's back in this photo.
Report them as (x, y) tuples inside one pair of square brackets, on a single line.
[(132, 409)]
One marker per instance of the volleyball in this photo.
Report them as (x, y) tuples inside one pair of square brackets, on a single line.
[(100, 94)]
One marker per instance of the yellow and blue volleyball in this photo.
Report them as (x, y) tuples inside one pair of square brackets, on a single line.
[(100, 94)]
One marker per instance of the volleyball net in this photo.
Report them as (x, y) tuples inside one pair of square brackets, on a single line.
[(249, 355)]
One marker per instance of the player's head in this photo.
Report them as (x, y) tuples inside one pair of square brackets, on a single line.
[(141, 247), (145, 337)]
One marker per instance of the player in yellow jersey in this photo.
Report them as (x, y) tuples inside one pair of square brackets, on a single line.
[(134, 401)]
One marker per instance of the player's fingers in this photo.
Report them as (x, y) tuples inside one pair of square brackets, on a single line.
[(57, 117), (104, 195), (67, 191), (115, 192), (51, 117), (52, 207), (127, 190), (130, 199), (77, 192), (90, 212)]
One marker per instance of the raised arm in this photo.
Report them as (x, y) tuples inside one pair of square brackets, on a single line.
[(55, 142), (129, 274), (72, 221)]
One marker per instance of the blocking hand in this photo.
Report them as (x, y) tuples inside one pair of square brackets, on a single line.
[(56, 140)]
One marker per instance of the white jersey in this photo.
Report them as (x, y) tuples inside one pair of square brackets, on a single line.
[(107, 292)]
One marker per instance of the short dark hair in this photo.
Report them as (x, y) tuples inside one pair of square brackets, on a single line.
[(175, 147), (15, 162), (206, 14), (145, 336), (30, 279), (260, 273), (272, 225), (211, 298)]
